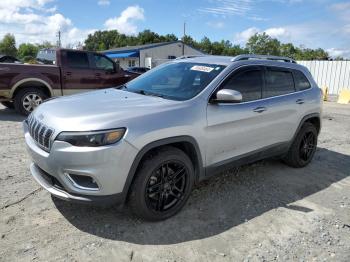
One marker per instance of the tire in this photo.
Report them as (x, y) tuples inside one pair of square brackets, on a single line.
[(303, 147), (26, 100), (8, 104), (153, 198)]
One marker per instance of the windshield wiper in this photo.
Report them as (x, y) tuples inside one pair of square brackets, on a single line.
[(146, 93)]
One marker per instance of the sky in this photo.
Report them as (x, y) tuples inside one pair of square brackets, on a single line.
[(310, 23)]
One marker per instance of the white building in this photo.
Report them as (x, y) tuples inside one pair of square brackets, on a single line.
[(150, 55)]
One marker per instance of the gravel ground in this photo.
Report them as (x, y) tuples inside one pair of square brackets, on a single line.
[(267, 211)]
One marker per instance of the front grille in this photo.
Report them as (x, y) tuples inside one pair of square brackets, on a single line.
[(40, 132)]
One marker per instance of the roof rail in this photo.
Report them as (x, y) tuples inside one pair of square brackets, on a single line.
[(263, 57), (187, 56)]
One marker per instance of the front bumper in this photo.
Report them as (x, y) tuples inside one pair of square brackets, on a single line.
[(108, 166)]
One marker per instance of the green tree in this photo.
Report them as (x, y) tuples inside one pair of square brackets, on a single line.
[(263, 44), (102, 40), (8, 45), (169, 38), (289, 50), (189, 41), (312, 54), (148, 37), (205, 45), (28, 51), (257, 44)]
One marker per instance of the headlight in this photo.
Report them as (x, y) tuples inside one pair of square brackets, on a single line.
[(93, 138)]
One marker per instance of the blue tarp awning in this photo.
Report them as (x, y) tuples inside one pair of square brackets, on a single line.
[(123, 55)]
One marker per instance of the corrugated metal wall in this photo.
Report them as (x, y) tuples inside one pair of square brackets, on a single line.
[(333, 74)]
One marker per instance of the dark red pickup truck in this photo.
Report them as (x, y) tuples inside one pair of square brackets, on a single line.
[(26, 86)]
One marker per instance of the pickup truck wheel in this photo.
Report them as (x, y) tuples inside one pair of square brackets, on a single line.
[(26, 100), (8, 104), (303, 147), (162, 185)]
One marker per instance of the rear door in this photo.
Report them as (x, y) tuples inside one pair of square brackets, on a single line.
[(107, 74), (282, 103), (77, 72)]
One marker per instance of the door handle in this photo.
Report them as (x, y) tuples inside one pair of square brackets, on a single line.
[(300, 101), (260, 109)]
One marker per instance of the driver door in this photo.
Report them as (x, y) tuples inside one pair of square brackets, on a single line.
[(106, 73), (238, 129)]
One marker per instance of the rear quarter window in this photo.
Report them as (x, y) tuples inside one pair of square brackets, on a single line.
[(278, 82), (301, 81)]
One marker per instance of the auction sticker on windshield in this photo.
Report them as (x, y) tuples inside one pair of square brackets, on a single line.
[(206, 69)]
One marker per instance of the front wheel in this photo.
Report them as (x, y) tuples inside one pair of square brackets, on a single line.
[(162, 185), (303, 147), (26, 100)]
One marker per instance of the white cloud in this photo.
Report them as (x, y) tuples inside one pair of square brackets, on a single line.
[(228, 7), (104, 2), (336, 52), (36, 21), (125, 23), (242, 37), (275, 32)]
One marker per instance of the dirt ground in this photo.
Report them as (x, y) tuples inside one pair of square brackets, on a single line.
[(266, 212)]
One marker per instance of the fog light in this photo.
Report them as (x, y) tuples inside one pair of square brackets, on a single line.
[(83, 182)]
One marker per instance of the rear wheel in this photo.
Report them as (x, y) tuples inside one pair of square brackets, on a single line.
[(8, 104), (162, 185), (26, 100), (303, 147)]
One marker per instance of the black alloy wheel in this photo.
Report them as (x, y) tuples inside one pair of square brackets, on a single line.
[(303, 147), (166, 186), (307, 146), (162, 185)]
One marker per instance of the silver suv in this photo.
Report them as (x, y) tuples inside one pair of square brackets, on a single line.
[(150, 141)]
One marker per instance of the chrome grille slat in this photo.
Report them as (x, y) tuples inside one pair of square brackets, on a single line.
[(40, 132)]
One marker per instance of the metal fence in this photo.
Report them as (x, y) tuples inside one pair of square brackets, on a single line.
[(333, 74)]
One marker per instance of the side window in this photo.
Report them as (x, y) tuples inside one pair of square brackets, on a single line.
[(103, 63), (301, 82), (131, 63), (249, 82), (77, 59), (278, 82)]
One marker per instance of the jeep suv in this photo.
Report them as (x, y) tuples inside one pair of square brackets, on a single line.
[(150, 141)]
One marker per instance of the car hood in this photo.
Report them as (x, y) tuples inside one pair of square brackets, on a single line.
[(102, 109)]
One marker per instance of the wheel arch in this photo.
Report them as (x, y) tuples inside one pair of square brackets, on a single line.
[(31, 82), (314, 119), (186, 143)]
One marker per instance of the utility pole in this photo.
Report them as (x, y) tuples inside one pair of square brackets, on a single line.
[(183, 39), (59, 38)]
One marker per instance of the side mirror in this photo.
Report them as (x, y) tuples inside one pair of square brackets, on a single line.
[(227, 96)]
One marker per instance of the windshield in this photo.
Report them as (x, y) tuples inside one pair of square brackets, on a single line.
[(175, 81)]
